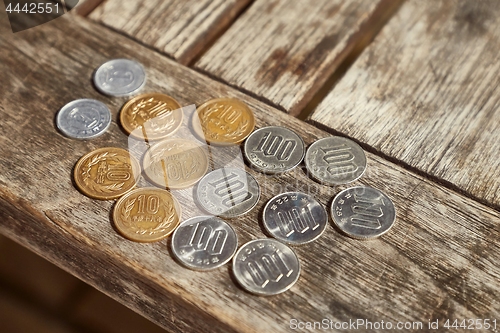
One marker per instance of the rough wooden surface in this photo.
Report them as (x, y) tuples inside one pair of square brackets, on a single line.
[(439, 261), (179, 28), (427, 93), (283, 51)]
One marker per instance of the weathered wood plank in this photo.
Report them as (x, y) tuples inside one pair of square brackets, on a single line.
[(427, 93), (179, 28), (439, 261), (283, 51), (83, 7)]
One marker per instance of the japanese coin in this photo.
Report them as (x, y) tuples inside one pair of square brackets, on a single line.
[(175, 163), (294, 218), (228, 192), (335, 160), (151, 116), (147, 215), (106, 173), (274, 149), (204, 243), (363, 212), (224, 121), (266, 267), (119, 77), (83, 119)]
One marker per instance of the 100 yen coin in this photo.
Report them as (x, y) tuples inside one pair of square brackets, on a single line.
[(335, 160), (274, 149), (204, 243), (228, 192), (266, 267), (363, 212), (294, 218)]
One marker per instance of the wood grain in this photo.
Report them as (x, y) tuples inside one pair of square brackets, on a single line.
[(283, 51), (179, 28), (439, 261), (427, 93)]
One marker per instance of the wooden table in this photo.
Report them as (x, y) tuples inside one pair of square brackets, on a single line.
[(422, 99)]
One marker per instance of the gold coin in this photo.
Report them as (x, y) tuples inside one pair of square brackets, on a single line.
[(175, 163), (147, 215), (106, 173), (224, 121), (151, 116)]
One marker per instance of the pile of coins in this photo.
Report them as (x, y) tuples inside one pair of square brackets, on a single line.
[(264, 266)]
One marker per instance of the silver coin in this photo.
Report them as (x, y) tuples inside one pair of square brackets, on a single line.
[(83, 119), (335, 160), (294, 218), (204, 243), (274, 149), (119, 77), (228, 192), (363, 212), (266, 267)]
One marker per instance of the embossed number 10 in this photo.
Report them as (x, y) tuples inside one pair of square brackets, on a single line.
[(150, 204)]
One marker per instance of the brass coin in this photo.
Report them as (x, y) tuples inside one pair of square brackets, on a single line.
[(175, 163), (147, 215), (106, 173), (224, 121), (151, 116)]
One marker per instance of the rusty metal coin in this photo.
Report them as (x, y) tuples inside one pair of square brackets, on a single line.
[(224, 121), (175, 163), (151, 116), (106, 173), (147, 215)]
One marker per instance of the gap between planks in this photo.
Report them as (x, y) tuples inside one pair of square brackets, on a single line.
[(374, 26)]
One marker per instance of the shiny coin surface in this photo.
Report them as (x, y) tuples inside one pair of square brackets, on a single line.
[(83, 119), (106, 173), (119, 77), (294, 218), (228, 192), (266, 267), (147, 215), (204, 243), (151, 116), (363, 212), (274, 149), (335, 160), (175, 163), (224, 121)]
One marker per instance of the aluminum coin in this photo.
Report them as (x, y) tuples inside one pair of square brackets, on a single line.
[(363, 212), (83, 119), (228, 192), (204, 243), (147, 215), (266, 267), (335, 160), (294, 218), (274, 149), (119, 77)]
